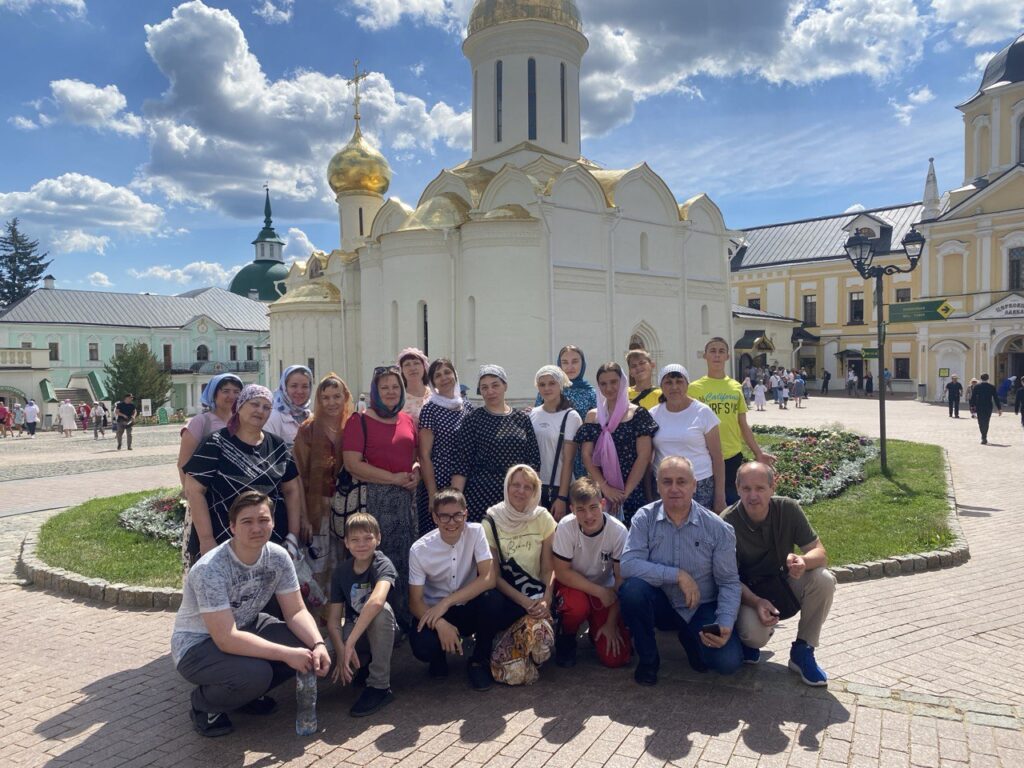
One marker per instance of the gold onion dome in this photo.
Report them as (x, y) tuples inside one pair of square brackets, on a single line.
[(358, 167), (488, 13)]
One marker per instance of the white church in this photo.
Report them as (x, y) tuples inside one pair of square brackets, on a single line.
[(519, 250)]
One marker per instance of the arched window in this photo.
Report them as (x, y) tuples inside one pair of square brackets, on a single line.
[(645, 263), (564, 115), (531, 98), (361, 233), (497, 101), (202, 353), (705, 322)]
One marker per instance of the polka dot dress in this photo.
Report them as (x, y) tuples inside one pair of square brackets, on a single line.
[(443, 423), (487, 445)]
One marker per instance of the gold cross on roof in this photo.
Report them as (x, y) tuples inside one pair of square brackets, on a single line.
[(357, 77)]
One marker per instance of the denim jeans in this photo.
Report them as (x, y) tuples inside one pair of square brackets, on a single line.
[(646, 609)]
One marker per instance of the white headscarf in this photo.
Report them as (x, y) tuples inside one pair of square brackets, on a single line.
[(509, 519)]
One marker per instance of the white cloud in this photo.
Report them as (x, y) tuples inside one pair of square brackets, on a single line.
[(100, 280), (921, 96), (205, 272), (382, 14), (76, 201), (100, 108), (855, 208), (78, 241), (977, 22), (22, 123), (904, 111), (73, 8), (297, 245), (981, 61), (222, 127), (279, 13), (418, 68)]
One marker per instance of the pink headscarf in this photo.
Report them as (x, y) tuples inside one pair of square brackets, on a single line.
[(605, 455)]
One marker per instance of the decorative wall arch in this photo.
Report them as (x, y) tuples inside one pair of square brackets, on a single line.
[(510, 185), (446, 181), (390, 217), (576, 185), (644, 334), (635, 189)]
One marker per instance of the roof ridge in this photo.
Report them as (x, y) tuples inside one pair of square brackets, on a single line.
[(834, 216)]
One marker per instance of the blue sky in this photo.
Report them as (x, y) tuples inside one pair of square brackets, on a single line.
[(135, 137)]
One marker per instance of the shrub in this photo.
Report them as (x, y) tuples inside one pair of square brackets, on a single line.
[(159, 516)]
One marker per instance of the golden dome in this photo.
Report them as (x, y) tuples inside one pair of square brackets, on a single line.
[(488, 13), (446, 211), (358, 167)]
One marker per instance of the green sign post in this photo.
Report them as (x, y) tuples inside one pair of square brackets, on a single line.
[(869, 353), (162, 416), (920, 311)]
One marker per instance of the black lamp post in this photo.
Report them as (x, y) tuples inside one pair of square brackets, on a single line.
[(861, 254)]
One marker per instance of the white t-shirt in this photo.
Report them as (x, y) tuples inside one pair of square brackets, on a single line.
[(547, 426), (441, 568), (591, 556), (682, 434)]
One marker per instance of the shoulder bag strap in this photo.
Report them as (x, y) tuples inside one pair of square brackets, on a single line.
[(497, 541), (636, 400), (558, 450)]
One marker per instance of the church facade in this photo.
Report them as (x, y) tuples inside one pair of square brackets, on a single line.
[(523, 248)]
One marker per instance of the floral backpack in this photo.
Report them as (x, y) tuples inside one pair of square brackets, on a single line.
[(521, 649)]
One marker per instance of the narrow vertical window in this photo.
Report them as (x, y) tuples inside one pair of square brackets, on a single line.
[(705, 321), (424, 330), (471, 328), (531, 97), (360, 222), (564, 115), (476, 105), (645, 263), (394, 328), (497, 101)]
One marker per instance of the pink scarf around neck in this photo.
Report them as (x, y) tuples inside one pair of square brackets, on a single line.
[(605, 455)]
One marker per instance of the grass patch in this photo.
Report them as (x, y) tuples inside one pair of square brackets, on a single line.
[(885, 516), (87, 539)]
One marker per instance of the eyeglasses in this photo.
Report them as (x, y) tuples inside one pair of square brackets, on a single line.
[(456, 517), (380, 370)]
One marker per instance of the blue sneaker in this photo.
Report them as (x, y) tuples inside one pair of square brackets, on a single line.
[(750, 655), (801, 660)]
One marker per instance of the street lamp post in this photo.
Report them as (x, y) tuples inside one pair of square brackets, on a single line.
[(861, 254)]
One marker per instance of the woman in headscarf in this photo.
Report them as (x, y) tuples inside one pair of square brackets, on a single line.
[(291, 403), (414, 367), (555, 424), (616, 443), (318, 457), (439, 421), (688, 428), (68, 415), (580, 392), (218, 400), (242, 457), (380, 450), (489, 441)]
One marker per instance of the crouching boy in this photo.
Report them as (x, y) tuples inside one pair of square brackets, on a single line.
[(362, 586), (451, 592), (587, 547), (222, 643)]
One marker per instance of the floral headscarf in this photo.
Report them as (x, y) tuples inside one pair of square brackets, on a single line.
[(250, 392)]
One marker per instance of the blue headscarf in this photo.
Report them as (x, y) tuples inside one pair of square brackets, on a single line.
[(209, 396), (375, 402), (581, 393), (284, 404)]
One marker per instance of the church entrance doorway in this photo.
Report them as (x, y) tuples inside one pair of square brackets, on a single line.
[(1010, 359)]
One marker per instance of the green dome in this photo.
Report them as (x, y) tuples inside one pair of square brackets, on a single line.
[(260, 275)]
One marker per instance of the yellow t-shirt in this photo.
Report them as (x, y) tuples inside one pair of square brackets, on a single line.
[(725, 398), (649, 400), (525, 544)]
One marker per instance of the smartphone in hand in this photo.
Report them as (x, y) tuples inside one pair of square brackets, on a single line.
[(712, 629)]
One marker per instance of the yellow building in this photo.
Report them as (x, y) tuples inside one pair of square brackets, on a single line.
[(972, 258)]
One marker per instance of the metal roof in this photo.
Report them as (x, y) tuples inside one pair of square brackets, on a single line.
[(138, 310), (738, 310), (818, 239)]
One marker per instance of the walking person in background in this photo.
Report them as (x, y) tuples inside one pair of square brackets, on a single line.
[(983, 400), (969, 397), (83, 415), (5, 419), (124, 419), (31, 418), (68, 417), (18, 417), (851, 383), (826, 377), (1018, 400), (954, 390), (799, 389), (760, 395), (887, 380), (748, 389), (869, 384), (99, 415), (292, 403)]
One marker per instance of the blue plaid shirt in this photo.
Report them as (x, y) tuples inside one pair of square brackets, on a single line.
[(704, 546)]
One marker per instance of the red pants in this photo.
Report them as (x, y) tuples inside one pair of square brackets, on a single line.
[(575, 607)]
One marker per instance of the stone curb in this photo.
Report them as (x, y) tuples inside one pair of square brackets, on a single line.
[(906, 565), (35, 571)]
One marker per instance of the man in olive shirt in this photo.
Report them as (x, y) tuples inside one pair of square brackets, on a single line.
[(768, 528)]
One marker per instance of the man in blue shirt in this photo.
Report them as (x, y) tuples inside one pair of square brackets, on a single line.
[(679, 571)]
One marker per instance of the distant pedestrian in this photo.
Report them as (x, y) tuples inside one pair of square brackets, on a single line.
[(799, 391), (31, 418), (19, 419), (1004, 389), (760, 392), (969, 397), (83, 415), (851, 383), (983, 400), (124, 419), (1018, 400), (887, 378), (869, 384), (68, 415), (826, 377), (954, 390), (99, 421), (6, 419)]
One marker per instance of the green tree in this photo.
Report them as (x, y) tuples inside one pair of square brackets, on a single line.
[(135, 369), (21, 264)]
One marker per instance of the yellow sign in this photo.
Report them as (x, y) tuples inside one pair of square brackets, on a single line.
[(945, 309)]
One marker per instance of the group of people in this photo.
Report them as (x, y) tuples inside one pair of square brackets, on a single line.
[(70, 417), (424, 516), (16, 420), (777, 383), (983, 398)]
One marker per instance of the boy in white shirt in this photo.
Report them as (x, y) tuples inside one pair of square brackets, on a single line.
[(587, 548), (451, 592)]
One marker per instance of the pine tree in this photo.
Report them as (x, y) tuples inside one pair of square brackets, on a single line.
[(135, 370), (21, 264)]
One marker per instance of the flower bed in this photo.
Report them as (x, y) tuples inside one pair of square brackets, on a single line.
[(817, 464), (159, 516)]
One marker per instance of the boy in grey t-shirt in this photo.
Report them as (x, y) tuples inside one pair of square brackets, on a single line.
[(222, 643)]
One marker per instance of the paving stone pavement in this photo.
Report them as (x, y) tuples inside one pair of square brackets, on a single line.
[(924, 668)]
